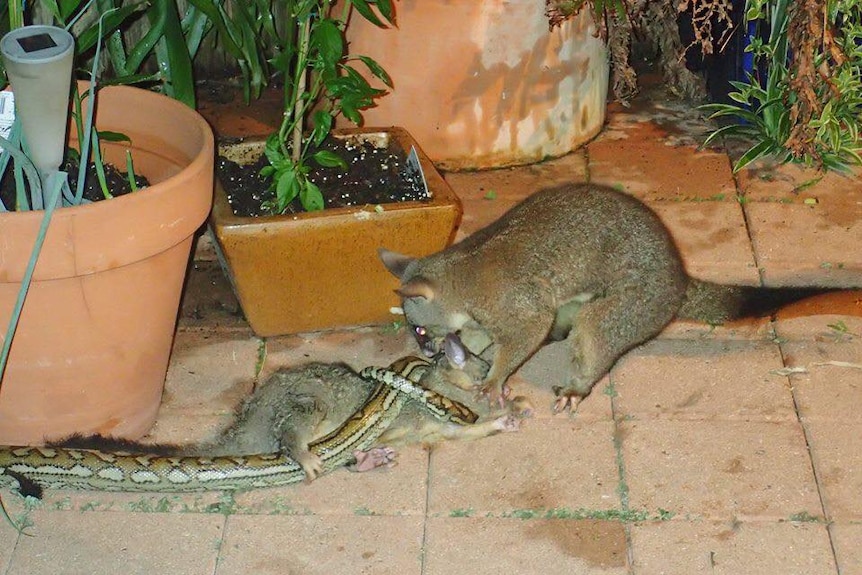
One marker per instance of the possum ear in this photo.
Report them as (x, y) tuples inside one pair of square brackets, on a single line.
[(455, 351), (395, 262), (417, 287)]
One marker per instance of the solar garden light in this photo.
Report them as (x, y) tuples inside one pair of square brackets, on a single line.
[(38, 63)]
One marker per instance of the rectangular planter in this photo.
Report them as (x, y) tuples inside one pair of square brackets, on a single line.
[(314, 271)]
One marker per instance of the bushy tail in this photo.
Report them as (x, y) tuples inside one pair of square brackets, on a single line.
[(716, 303), (114, 444)]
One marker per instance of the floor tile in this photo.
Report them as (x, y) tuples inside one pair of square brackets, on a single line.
[(784, 235), (8, 538), (791, 183), (684, 379), (482, 546), (712, 239), (133, 543), (710, 548), (210, 371), (819, 323), (400, 490), (830, 386), (847, 541), (836, 448), (310, 545), (560, 464), (719, 469), (479, 212), (645, 161), (517, 183)]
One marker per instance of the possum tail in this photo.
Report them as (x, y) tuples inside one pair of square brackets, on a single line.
[(114, 444), (716, 303)]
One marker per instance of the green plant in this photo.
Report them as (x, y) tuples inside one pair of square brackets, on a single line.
[(320, 83), (808, 105), (155, 42), (49, 199)]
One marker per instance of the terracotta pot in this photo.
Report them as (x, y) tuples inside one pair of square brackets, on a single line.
[(495, 87), (320, 270), (91, 350)]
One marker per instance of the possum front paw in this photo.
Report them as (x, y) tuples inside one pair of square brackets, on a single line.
[(496, 393), (311, 465), (373, 458)]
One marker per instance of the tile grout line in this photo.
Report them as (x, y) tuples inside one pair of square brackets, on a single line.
[(814, 469), (742, 201), (622, 486), (425, 516), (221, 543)]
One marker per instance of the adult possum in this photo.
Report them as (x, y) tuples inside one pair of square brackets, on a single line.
[(581, 262)]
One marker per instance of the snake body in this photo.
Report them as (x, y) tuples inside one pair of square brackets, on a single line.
[(67, 468)]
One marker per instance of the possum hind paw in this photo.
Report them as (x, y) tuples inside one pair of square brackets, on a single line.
[(507, 423), (567, 400), (373, 458)]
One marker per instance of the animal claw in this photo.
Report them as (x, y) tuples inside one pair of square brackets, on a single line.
[(566, 400)]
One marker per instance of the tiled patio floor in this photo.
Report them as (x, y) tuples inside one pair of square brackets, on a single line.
[(731, 450)]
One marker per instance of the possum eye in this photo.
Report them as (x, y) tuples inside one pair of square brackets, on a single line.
[(429, 348)]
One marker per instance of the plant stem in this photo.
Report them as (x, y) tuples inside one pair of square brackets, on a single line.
[(300, 82)]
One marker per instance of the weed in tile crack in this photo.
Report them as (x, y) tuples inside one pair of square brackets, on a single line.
[(805, 517), (621, 515)]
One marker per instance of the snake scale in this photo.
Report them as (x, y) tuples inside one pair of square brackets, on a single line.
[(67, 468)]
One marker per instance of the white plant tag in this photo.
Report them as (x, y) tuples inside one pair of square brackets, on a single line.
[(414, 167), (7, 112)]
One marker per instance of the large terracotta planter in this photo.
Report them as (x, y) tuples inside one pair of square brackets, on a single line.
[(483, 83), (320, 270), (91, 350)]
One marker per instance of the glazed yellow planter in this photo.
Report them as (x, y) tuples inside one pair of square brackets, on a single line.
[(314, 271), (92, 347)]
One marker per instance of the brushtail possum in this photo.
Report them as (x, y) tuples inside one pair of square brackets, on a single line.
[(580, 262), (298, 405)]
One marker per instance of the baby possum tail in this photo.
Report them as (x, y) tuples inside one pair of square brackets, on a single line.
[(112, 444), (717, 303)]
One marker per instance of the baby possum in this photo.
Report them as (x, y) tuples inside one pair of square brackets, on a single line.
[(297, 405)]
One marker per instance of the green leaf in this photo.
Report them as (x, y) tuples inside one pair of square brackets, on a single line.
[(286, 188), (108, 136), (272, 150), (311, 198), (385, 8), (757, 151), (723, 131), (377, 70), (173, 56), (326, 37), (329, 159), (111, 21), (322, 121), (363, 8)]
